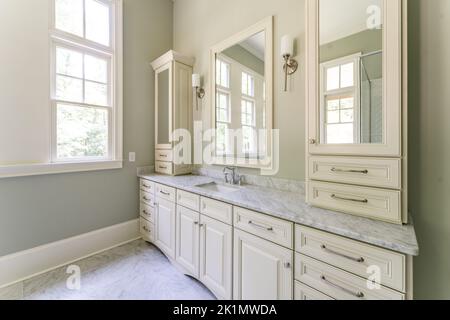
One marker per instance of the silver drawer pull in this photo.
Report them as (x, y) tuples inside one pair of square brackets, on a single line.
[(147, 199), (287, 265), (163, 155), (146, 186), (165, 193), (146, 229), (146, 212), (359, 295), (349, 199), (350, 171), (359, 260), (260, 226)]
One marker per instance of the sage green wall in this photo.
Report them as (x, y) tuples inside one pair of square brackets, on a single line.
[(43, 209), (200, 24), (429, 142), (239, 54), (364, 42)]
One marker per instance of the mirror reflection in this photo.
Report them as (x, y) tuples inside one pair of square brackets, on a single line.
[(241, 100), (351, 73)]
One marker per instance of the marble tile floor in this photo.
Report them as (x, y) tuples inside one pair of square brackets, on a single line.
[(134, 271)]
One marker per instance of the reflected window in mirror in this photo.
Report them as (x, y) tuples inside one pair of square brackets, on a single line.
[(351, 73)]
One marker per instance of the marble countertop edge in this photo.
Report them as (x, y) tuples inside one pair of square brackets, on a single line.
[(292, 207)]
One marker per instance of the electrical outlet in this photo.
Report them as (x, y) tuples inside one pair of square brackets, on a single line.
[(132, 156)]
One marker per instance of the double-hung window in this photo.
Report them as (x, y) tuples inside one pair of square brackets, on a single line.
[(86, 81), (223, 95), (340, 100)]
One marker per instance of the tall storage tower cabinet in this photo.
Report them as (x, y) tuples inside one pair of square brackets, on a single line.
[(173, 113)]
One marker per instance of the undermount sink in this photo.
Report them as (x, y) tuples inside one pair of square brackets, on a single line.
[(217, 187)]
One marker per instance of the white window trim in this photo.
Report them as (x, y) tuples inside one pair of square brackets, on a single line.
[(86, 165), (354, 89)]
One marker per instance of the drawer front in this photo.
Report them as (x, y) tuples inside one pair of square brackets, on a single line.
[(338, 284), (147, 198), (352, 256), (164, 167), (188, 200), (303, 292), (272, 229), (166, 193), (147, 212), (379, 204), (147, 186), (383, 173), (163, 155), (217, 210), (147, 230)]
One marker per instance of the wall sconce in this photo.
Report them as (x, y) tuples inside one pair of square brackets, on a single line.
[(196, 84), (287, 51)]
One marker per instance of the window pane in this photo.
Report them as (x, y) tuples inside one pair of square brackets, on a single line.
[(224, 74), (347, 103), (244, 83), (221, 138), (347, 75), (69, 62), (333, 117), (69, 16), (347, 115), (218, 69), (81, 132), (69, 89), (333, 105), (97, 22), (96, 69), (96, 93), (340, 133), (333, 78)]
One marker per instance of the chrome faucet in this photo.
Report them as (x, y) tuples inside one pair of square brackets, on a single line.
[(231, 176)]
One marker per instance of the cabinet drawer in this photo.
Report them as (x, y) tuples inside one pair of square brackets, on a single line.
[(147, 230), (383, 173), (352, 256), (272, 229), (188, 200), (147, 198), (166, 193), (338, 284), (379, 204), (163, 155), (217, 210), (164, 167), (147, 212), (147, 186), (303, 292)]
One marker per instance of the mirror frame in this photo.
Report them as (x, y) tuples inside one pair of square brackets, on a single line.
[(392, 87), (266, 26)]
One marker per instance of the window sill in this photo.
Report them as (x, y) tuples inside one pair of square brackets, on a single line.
[(57, 168)]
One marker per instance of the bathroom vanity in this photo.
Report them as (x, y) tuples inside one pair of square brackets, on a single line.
[(251, 242)]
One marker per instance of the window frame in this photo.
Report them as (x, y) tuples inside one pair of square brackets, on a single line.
[(114, 55), (354, 91)]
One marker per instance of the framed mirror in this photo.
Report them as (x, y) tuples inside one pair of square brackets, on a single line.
[(242, 103), (354, 94)]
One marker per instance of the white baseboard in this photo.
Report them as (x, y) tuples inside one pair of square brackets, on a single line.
[(27, 264)]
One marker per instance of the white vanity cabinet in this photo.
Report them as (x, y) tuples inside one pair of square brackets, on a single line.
[(357, 109), (262, 269), (165, 226), (173, 111), (216, 256), (241, 254)]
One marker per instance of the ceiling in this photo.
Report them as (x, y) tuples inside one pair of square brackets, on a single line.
[(353, 18), (255, 45)]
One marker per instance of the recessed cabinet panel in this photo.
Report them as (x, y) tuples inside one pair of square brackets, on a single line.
[(305, 293), (262, 269), (216, 256), (164, 106), (188, 238), (165, 227)]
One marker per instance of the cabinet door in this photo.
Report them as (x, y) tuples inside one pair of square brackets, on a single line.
[(187, 242), (262, 269), (216, 242), (165, 227)]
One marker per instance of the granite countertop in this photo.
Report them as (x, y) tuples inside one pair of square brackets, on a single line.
[(291, 206)]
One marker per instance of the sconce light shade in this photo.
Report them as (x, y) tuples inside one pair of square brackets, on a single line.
[(287, 46), (196, 81)]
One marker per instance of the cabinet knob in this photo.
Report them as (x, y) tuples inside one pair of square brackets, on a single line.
[(287, 265), (312, 141)]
